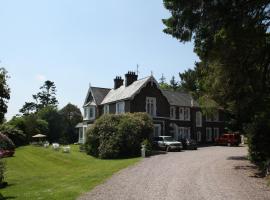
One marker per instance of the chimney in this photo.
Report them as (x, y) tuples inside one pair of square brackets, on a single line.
[(118, 82), (130, 78)]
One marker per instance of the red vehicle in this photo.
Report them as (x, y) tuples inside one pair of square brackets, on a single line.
[(229, 139)]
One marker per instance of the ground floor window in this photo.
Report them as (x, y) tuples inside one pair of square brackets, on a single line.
[(208, 134), (183, 133), (199, 136), (157, 130), (216, 133)]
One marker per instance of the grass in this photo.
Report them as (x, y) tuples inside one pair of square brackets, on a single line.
[(39, 173)]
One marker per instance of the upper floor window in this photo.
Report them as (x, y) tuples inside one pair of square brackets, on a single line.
[(120, 107), (172, 112), (89, 112), (181, 113), (187, 114), (208, 117), (215, 117), (198, 119), (184, 114), (106, 109), (151, 106)]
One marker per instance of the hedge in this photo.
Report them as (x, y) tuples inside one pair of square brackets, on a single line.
[(117, 136)]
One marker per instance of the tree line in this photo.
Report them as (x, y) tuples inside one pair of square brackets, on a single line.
[(232, 40), (40, 116)]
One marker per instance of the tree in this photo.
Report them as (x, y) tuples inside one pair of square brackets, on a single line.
[(173, 84), (4, 93), (162, 80), (71, 115), (233, 42), (55, 123), (46, 97)]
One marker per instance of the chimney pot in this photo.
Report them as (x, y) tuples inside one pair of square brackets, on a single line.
[(130, 77), (118, 82)]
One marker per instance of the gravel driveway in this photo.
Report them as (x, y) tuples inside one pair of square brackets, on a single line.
[(208, 173)]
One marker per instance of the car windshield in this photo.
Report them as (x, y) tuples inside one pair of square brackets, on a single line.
[(169, 139)]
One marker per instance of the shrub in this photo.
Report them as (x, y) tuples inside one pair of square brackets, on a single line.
[(6, 143), (258, 133), (114, 136), (17, 136)]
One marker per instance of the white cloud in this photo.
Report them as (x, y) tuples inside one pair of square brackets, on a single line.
[(40, 77)]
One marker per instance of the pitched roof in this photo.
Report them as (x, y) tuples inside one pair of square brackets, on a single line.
[(123, 93), (177, 98), (98, 94)]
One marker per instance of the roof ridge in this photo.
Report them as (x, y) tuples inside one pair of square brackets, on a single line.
[(101, 87)]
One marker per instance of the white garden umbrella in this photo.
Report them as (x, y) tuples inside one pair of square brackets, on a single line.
[(39, 136)]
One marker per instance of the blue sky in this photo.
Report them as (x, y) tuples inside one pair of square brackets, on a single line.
[(74, 43)]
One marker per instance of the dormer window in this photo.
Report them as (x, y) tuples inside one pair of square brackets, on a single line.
[(172, 112), (184, 114), (89, 112), (151, 106)]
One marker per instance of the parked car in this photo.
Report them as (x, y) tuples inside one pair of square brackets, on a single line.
[(189, 144), (167, 143), (229, 139)]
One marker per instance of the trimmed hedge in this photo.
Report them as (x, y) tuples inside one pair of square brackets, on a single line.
[(116, 136)]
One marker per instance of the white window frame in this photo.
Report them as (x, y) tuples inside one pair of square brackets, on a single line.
[(87, 112), (187, 114), (159, 130), (216, 116), (172, 112), (148, 104), (120, 107), (106, 109), (208, 134), (199, 136), (181, 113), (216, 132), (198, 119)]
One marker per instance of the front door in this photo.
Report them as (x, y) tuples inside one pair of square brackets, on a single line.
[(157, 130)]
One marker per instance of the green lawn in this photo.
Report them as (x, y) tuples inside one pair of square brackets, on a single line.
[(39, 173)]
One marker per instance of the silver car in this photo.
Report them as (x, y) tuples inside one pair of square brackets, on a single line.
[(167, 143)]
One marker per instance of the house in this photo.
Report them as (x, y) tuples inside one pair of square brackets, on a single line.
[(174, 113)]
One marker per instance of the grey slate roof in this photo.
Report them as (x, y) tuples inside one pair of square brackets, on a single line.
[(98, 94), (123, 93), (177, 98)]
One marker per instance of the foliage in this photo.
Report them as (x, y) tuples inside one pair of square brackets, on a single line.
[(71, 115), (47, 174), (259, 137), (15, 134), (114, 136), (233, 42), (6, 143), (147, 144), (4, 94), (173, 83), (54, 121), (46, 97)]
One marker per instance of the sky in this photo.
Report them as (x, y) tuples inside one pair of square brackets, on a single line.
[(75, 43)]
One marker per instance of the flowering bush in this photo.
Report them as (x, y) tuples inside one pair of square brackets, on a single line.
[(6, 143)]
